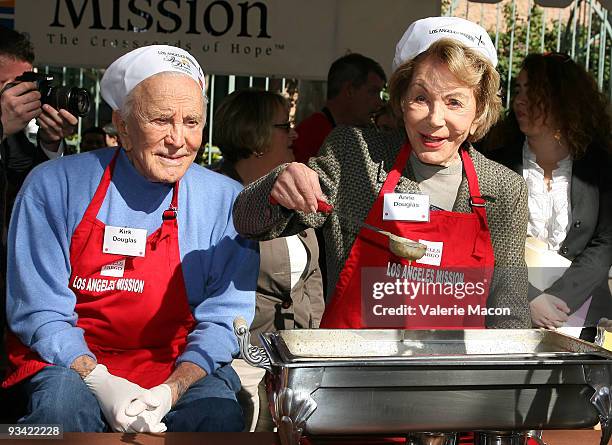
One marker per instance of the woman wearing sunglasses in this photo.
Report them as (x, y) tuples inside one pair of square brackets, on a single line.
[(253, 131)]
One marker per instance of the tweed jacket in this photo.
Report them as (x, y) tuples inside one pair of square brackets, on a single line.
[(278, 306), (588, 243), (352, 167)]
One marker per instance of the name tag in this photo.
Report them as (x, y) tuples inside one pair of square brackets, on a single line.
[(406, 207), (124, 241), (433, 254)]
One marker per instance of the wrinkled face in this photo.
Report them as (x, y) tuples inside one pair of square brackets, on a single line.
[(439, 113), (11, 68), (279, 151), (163, 131), (531, 124), (366, 99)]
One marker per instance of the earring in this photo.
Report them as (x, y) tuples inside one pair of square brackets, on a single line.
[(258, 154), (557, 136)]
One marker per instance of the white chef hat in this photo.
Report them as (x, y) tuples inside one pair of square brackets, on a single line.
[(421, 34), (129, 70)]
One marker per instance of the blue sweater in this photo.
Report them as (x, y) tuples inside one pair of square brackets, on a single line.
[(220, 268)]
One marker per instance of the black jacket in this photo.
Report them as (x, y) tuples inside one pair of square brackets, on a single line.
[(588, 243), (17, 157)]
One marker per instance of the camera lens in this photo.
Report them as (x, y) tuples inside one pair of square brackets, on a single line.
[(74, 100), (78, 100)]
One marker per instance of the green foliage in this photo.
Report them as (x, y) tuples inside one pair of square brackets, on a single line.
[(445, 7), (557, 36), (515, 43)]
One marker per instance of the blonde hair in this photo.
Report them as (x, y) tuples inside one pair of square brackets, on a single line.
[(244, 122), (466, 64)]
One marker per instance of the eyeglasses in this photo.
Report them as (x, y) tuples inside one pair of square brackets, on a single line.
[(286, 126)]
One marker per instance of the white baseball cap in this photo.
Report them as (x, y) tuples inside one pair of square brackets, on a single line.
[(129, 70), (421, 34)]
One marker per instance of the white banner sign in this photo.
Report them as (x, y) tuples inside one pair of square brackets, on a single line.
[(293, 38)]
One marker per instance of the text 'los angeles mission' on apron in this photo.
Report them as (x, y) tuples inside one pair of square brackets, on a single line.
[(133, 309), (446, 289)]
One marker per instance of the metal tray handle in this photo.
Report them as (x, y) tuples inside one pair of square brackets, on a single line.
[(253, 355)]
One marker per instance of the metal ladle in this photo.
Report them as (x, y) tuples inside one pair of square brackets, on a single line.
[(398, 245)]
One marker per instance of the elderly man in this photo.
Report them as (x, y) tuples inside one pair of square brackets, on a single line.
[(126, 271)]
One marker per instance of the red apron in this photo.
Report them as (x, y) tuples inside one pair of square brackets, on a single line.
[(449, 296), (137, 324)]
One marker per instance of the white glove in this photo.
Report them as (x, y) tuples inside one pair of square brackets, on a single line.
[(115, 394), (147, 418)]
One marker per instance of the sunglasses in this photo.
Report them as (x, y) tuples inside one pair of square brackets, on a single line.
[(286, 126)]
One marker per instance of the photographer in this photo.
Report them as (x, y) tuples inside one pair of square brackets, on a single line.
[(19, 104)]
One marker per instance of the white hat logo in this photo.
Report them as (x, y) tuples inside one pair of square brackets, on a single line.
[(132, 68), (422, 33)]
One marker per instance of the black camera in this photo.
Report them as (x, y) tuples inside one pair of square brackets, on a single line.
[(72, 99)]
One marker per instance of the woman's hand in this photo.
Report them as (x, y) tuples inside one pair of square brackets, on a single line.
[(548, 311), (297, 188)]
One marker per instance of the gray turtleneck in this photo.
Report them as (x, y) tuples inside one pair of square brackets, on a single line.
[(439, 182)]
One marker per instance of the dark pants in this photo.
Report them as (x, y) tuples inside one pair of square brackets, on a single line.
[(58, 395)]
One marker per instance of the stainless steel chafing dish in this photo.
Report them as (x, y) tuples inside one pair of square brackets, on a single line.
[(401, 382)]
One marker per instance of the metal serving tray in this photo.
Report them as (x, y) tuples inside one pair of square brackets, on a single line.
[(356, 382), (424, 346)]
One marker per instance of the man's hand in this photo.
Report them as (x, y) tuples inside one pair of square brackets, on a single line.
[(19, 105), (54, 126), (548, 311), (297, 188), (115, 394), (168, 393), (147, 419)]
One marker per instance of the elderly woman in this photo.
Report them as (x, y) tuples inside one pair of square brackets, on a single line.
[(255, 135), (124, 276), (425, 183), (557, 136)]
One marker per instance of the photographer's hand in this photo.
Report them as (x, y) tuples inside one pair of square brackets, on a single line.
[(54, 126), (19, 105)]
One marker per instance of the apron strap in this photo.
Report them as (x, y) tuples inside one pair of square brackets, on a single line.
[(398, 167), (390, 183), (477, 202), (98, 198), (171, 212), (96, 203)]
